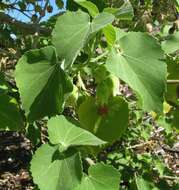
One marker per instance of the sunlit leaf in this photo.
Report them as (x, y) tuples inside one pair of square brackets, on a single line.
[(63, 132), (42, 83), (142, 70), (91, 7), (52, 170)]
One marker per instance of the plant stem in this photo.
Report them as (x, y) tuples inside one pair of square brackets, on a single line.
[(139, 145), (170, 177), (99, 57), (90, 161), (172, 81)]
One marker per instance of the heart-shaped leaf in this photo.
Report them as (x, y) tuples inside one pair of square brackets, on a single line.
[(63, 132), (107, 122), (91, 7), (69, 35), (52, 170), (42, 83), (137, 62), (72, 30), (101, 177)]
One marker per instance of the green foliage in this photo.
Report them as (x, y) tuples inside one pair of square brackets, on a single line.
[(143, 71), (142, 184), (125, 12), (172, 90), (105, 120), (9, 114), (66, 33), (92, 9), (64, 133), (96, 176), (41, 81), (56, 168), (71, 28), (170, 45), (101, 89)]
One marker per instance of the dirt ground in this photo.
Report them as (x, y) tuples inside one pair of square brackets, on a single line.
[(15, 156)]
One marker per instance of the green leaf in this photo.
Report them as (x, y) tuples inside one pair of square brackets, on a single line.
[(170, 45), (63, 132), (33, 133), (143, 184), (72, 31), (110, 34), (72, 6), (60, 4), (91, 7), (52, 170), (175, 121), (101, 177), (113, 34), (125, 12), (69, 35), (107, 88), (137, 62), (4, 86), (100, 21), (107, 122), (119, 34), (10, 118), (42, 83), (172, 94)]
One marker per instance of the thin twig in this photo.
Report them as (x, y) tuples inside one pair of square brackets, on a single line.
[(27, 28), (139, 145), (172, 81), (44, 9), (15, 8), (167, 149), (170, 177), (99, 57)]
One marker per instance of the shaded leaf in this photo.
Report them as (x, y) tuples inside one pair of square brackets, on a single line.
[(101, 177), (143, 184), (172, 94), (175, 121), (33, 133), (170, 45), (125, 12), (59, 3), (10, 117), (107, 88), (107, 122)]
